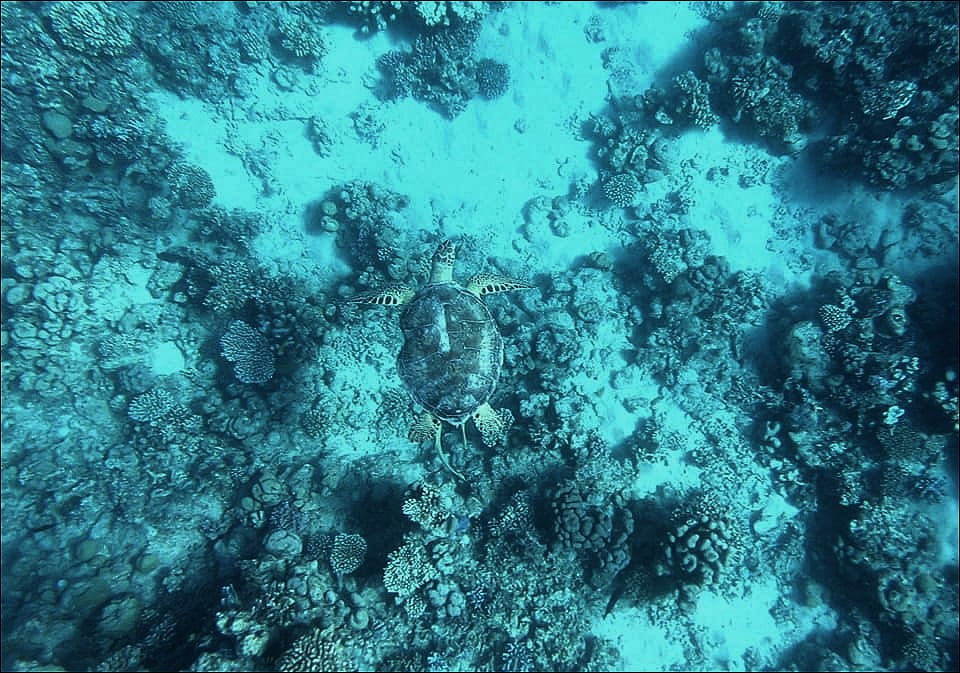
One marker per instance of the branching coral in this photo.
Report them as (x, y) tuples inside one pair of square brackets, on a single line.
[(248, 350), (408, 569), (92, 27)]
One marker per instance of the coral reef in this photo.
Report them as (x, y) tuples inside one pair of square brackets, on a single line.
[(206, 462), (441, 69), (767, 71)]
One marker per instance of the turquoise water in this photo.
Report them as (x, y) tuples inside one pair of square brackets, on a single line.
[(702, 328)]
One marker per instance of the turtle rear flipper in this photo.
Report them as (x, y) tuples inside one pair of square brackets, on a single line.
[(490, 283), (492, 423), (393, 295), (427, 427)]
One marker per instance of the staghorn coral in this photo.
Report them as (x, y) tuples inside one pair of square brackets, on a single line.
[(687, 103), (514, 521), (361, 214), (887, 99), (372, 16), (233, 285), (123, 139), (672, 254), (367, 123), (426, 507), (120, 350), (184, 15), (628, 141), (667, 260), (377, 15), (253, 46), (760, 96), (892, 97), (861, 356), (888, 555), (449, 12), (399, 78), (318, 132)]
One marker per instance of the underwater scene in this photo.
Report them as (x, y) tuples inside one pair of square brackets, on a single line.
[(479, 336)]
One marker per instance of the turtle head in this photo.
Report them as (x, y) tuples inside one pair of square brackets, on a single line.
[(443, 258)]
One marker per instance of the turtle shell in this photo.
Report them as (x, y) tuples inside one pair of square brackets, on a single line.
[(452, 351)]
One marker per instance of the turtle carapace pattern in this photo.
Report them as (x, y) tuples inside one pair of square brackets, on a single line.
[(452, 350)]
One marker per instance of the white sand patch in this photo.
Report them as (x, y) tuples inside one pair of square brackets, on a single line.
[(204, 135), (723, 633), (734, 626), (166, 358), (738, 219), (643, 644)]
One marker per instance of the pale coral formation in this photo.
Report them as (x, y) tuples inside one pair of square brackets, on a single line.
[(621, 189), (348, 552), (318, 650), (408, 568), (248, 350), (95, 28)]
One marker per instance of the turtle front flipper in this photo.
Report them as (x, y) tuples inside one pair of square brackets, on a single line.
[(426, 427), (492, 423), (490, 283), (393, 295)]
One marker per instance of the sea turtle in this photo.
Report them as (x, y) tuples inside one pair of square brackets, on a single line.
[(452, 350)]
